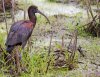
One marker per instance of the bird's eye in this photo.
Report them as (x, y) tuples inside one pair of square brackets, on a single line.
[(35, 10)]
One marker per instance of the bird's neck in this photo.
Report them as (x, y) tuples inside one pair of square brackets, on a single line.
[(32, 18)]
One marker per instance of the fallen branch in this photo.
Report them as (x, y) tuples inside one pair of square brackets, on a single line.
[(94, 19), (80, 50), (95, 63)]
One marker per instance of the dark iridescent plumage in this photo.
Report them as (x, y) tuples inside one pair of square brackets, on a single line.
[(21, 31)]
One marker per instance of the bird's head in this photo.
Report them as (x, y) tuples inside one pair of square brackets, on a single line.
[(34, 9)]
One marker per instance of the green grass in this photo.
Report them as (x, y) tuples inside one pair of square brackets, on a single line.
[(35, 64)]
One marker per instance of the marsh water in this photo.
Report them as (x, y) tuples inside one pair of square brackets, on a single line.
[(50, 8)]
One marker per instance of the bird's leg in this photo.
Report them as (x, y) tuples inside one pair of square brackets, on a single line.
[(23, 67), (17, 60), (29, 45), (22, 63)]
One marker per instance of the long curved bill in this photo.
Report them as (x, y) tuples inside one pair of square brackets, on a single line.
[(43, 15)]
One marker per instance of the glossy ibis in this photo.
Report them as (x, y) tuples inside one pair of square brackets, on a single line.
[(21, 31)]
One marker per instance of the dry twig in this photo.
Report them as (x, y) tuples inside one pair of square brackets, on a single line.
[(3, 3), (12, 11), (49, 53)]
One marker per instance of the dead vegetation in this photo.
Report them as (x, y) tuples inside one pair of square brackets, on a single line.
[(8, 5), (60, 59), (1, 56), (94, 26), (1, 49)]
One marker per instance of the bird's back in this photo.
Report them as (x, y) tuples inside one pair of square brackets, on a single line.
[(19, 34)]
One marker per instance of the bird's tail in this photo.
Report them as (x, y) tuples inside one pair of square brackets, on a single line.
[(9, 49)]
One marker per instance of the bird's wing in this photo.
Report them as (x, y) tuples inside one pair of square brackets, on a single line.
[(19, 33), (11, 38)]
